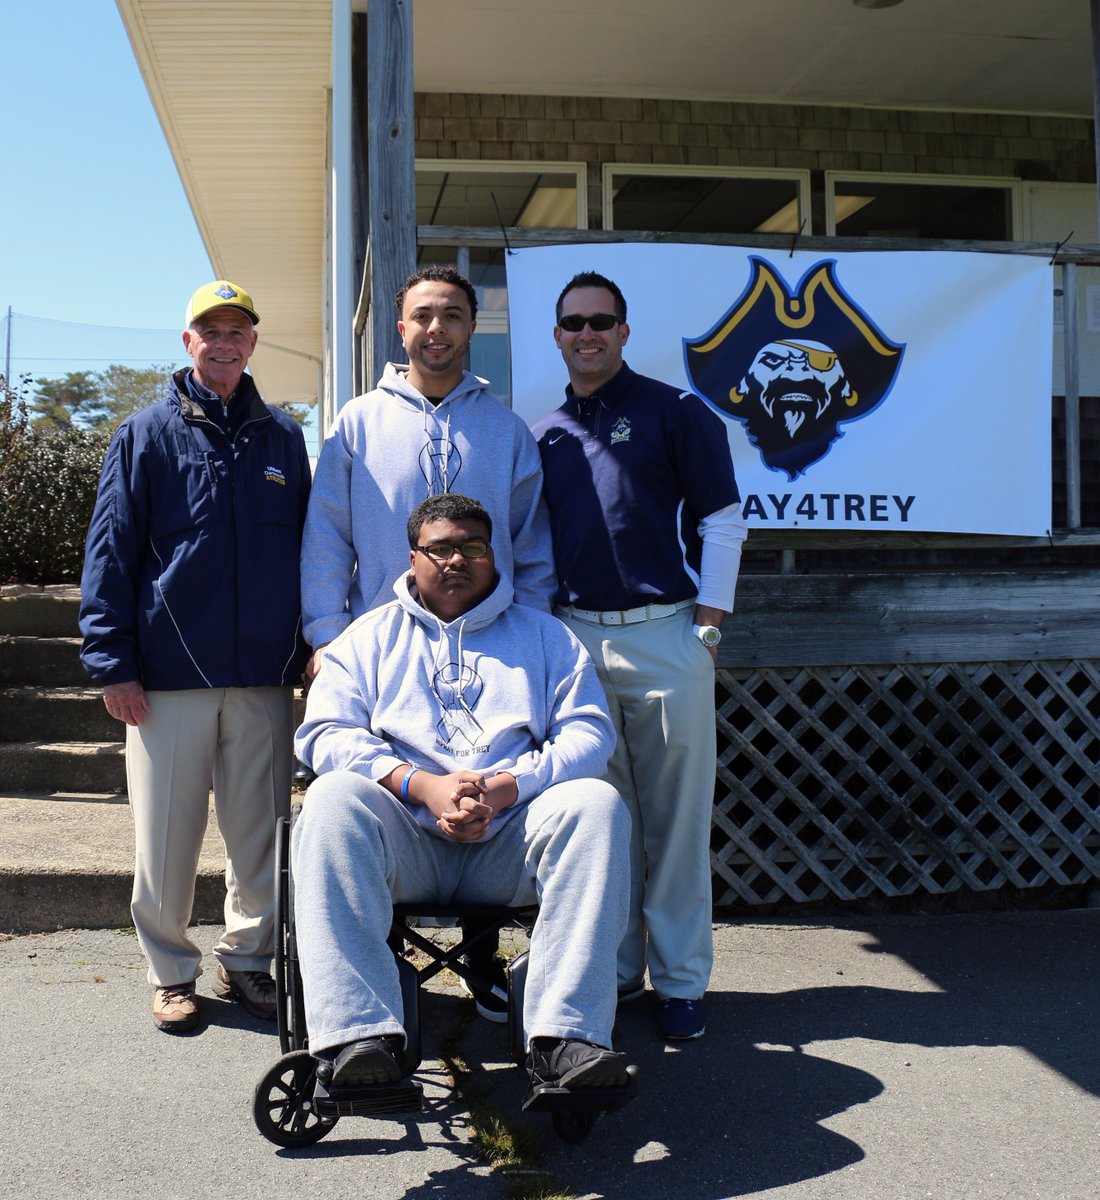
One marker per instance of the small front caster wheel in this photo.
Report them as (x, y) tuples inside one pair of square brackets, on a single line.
[(282, 1104)]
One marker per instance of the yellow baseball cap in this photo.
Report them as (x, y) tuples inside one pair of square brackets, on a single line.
[(219, 294)]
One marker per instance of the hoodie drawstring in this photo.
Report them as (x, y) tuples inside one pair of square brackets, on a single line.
[(443, 469)]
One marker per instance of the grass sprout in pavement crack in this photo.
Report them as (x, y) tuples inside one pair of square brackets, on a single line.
[(511, 1150)]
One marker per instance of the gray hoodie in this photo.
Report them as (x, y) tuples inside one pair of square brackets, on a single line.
[(387, 451), (502, 688)]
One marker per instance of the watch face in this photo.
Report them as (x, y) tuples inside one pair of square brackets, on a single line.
[(709, 635)]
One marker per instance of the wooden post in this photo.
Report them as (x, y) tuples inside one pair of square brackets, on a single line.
[(1094, 13), (339, 245), (391, 173), (1071, 342)]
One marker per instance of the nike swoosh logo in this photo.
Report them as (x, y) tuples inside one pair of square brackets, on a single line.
[(551, 441)]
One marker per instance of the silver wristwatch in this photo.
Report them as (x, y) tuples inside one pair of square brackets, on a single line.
[(709, 635)]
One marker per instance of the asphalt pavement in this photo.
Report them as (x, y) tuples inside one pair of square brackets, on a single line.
[(894, 1058)]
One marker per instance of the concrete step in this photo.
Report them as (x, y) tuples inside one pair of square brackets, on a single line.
[(47, 767), (39, 612), (56, 714), (50, 661), (66, 846), (66, 861), (93, 764)]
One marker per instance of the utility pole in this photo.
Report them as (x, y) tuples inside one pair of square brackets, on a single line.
[(7, 355)]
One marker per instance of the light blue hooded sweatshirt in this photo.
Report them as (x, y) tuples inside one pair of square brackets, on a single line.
[(502, 688), (392, 448)]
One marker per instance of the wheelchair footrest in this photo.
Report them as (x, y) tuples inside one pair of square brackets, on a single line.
[(580, 1099), (375, 1099)]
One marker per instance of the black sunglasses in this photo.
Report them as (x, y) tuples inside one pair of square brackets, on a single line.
[(444, 551), (598, 322)]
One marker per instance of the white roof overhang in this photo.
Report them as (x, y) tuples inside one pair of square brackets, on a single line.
[(241, 91)]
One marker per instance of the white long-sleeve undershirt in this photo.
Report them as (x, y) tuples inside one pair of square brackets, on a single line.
[(722, 532)]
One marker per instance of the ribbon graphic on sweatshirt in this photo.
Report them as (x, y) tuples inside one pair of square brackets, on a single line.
[(458, 689)]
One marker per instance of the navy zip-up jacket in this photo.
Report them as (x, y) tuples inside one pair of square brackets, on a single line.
[(191, 567)]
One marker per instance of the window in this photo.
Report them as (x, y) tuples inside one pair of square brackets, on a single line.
[(487, 196), (920, 206), (705, 199)]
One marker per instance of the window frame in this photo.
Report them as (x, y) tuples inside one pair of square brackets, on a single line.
[(516, 167), (799, 176), (1009, 183)]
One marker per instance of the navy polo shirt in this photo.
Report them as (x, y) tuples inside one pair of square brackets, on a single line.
[(629, 472)]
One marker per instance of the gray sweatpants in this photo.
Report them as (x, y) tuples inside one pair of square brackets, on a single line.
[(356, 851)]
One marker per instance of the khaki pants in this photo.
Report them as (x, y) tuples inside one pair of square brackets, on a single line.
[(238, 740), (659, 680)]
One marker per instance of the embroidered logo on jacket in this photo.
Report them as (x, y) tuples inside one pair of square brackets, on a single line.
[(274, 475), (620, 431)]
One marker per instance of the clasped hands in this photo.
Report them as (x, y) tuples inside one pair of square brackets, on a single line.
[(464, 802)]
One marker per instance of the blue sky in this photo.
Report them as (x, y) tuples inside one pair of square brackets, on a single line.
[(99, 248)]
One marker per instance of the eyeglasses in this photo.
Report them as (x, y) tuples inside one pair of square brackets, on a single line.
[(597, 322), (444, 551)]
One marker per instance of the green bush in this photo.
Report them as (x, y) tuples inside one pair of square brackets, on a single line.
[(48, 481)]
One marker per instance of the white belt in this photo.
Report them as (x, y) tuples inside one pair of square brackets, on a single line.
[(623, 616)]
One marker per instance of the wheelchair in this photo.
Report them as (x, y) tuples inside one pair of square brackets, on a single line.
[(293, 1104)]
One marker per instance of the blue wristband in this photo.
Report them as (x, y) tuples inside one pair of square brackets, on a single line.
[(405, 785)]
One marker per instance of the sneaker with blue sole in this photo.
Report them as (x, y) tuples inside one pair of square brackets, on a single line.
[(681, 1020)]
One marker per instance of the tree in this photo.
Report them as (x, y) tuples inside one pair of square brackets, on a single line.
[(300, 412), (74, 400), (99, 400), (48, 476), (125, 390), (13, 422)]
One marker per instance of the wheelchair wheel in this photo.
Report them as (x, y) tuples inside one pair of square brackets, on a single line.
[(282, 1104), (282, 931), (289, 998), (573, 1125), (517, 982)]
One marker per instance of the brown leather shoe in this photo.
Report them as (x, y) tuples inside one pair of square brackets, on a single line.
[(174, 1008), (255, 990)]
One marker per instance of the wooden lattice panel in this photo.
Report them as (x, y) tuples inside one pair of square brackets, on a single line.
[(848, 782)]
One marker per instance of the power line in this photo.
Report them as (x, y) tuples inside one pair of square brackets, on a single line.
[(15, 358), (33, 343), (174, 332)]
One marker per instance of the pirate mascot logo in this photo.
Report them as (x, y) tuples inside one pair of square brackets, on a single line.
[(792, 367)]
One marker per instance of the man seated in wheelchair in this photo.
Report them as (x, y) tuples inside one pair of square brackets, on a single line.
[(459, 741)]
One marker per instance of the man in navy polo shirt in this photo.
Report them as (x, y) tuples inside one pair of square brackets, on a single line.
[(647, 532)]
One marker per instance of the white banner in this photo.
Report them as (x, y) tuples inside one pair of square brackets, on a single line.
[(861, 391)]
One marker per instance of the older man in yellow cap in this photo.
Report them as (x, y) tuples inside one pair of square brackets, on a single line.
[(190, 619)]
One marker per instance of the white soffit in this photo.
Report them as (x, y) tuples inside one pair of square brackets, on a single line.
[(1025, 56), (240, 90), (241, 93)]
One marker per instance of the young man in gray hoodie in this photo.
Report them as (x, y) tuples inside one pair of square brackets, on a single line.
[(459, 739), (427, 429)]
